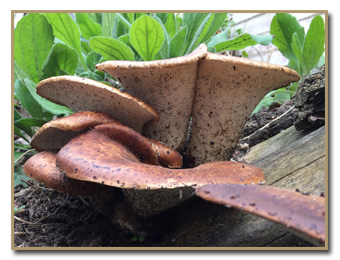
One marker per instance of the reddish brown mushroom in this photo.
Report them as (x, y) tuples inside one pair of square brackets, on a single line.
[(304, 214), (42, 167), (95, 157), (56, 133)]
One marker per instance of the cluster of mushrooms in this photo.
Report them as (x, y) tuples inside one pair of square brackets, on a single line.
[(124, 149)]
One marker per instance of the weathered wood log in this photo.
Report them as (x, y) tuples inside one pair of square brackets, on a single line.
[(291, 160)]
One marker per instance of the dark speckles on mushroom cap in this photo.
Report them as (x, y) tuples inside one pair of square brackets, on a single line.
[(300, 212), (42, 167), (82, 94), (98, 158), (228, 90), (168, 86), (56, 133)]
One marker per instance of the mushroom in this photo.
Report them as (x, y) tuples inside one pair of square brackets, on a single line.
[(81, 94), (56, 133), (302, 214), (42, 167), (96, 157), (228, 90), (168, 86)]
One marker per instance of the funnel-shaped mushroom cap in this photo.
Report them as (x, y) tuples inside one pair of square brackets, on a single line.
[(42, 167), (228, 90), (82, 94), (302, 213), (168, 86), (93, 156), (146, 150), (56, 133)]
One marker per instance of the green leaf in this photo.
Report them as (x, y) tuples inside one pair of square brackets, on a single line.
[(88, 27), (30, 122), (85, 47), (221, 37), (62, 60), (66, 30), (193, 21), (170, 25), (242, 41), (200, 32), (27, 131), (19, 176), (111, 49), (164, 52), (108, 23), (26, 99), (283, 27), (18, 72), (297, 50), (313, 47), (124, 21), (147, 37), (92, 60), (46, 104), (217, 22), (33, 39), (177, 42)]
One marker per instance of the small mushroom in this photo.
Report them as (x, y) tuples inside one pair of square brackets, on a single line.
[(167, 85), (80, 94), (95, 157), (228, 90), (42, 167), (304, 214), (56, 133)]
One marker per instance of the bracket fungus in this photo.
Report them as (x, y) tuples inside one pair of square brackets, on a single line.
[(112, 143), (302, 214), (81, 94), (96, 156), (168, 86), (228, 89)]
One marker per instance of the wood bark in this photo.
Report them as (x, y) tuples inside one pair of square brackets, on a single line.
[(292, 160)]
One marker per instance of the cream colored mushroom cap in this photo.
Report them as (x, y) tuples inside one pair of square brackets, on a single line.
[(81, 94)]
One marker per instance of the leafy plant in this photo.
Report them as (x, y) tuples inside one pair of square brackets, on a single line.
[(304, 51), (54, 44)]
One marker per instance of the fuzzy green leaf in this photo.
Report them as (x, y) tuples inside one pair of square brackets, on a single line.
[(33, 39), (170, 24), (283, 27), (26, 99), (88, 27), (242, 41), (177, 42), (108, 23), (62, 60), (111, 49), (313, 47), (147, 37)]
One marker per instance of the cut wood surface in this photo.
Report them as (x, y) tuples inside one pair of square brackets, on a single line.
[(292, 160)]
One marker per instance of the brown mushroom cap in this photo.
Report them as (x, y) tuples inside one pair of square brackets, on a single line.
[(228, 90), (167, 85), (42, 167), (146, 150), (82, 94), (302, 213), (93, 156), (56, 133)]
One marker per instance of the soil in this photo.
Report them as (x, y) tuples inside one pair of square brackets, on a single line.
[(53, 219)]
